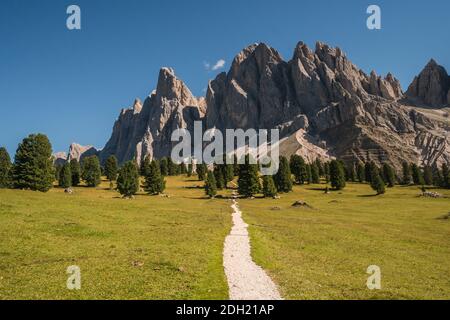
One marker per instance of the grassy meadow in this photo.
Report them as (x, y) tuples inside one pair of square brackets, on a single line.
[(171, 247), (145, 248), (323, 252)]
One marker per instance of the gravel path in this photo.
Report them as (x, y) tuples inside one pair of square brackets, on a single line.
[(246, 280)]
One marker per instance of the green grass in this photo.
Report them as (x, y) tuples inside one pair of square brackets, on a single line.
[(323, 253), (145, 248)]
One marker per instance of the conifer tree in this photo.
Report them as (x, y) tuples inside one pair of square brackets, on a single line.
[(248, 181), (5, 169), (376, 182), (154, 182), (218, 175), (417, 175), (75, 169), (308, 173), (406, 173), (320, 167), (351, 172), (360, 172), (128, 179), (65, 176), (388, 175), (368, 168), (57, 167), (298, 169), (337, 175), (445, 176), (145, 166), (283, 178), (164, 166), (210, 185), (437, 176), (315, 176), (428, 175), (33, 165), (201, 171), (190, 169), (269, 189), (91, 171), (326, 170), (111, 168)]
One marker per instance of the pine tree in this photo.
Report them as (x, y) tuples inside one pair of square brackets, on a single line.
[(154, 181), (437, 176), (320, 167), (298, 169), (210, 185), (376, 182), (326, 170), (283, 178), (164, 166), (145, 166), (417, 175), (91, 171), (406, 173), (308, 173), (428, 175), (315, 176), (182, 168), (351, 172), (269, 189), (190, 169), (445, 176), (75, 169), (111, 168), (33, 165), (337, 175), (227, 170), (218, 175), (201, 171), (5, 169), (360, 172), (65, 177), (388, 175), (128, 179), (368, 168), (248, 181)]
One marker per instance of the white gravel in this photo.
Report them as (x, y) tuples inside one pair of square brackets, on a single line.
[(246, 280)]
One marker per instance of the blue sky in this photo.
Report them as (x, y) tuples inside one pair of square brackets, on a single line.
[(71, 85)]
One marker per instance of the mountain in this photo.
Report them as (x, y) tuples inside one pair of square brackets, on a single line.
[(322, 103), (146, 129)]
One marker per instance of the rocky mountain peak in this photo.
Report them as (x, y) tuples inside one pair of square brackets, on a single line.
[(169, 87), (431, 87)]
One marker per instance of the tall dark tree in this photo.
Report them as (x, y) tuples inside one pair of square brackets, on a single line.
[(417, 175), (154, 181), (33, 164), (57, 168), (218, 174), (283, 178), (320, 167), (164, 166), (210, 185), (308, 173), (75, 169), (428, 175), (437, 176), (445, 176), (326, 170), (190, 169), (111, 168), (182, 168), (248, 181), (65, 176), (388, 175), (368, 168), (360, 172), (351, 172), (337, 175), (201, 171), (91, 171), (145, 166), (269, 189), (376, 182), (315, 176), (128, 179), (5, 169), (298, 169), (406, 173)]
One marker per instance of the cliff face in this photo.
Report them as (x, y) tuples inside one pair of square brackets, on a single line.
[(322, 103), (145, 129)]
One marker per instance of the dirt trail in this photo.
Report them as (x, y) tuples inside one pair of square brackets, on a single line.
[(246, 280)]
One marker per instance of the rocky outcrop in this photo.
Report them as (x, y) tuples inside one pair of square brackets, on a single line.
[(79, 152), (357, 116), (431, 87), (146, 129), (59, 158), (323, 104)]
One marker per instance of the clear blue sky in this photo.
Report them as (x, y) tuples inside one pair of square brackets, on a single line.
[(71, 85)]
